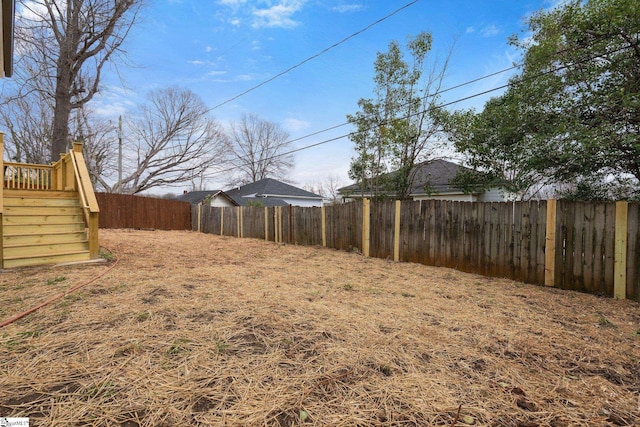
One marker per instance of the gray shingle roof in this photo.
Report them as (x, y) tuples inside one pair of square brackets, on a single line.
[(429, 176), (269, 188)]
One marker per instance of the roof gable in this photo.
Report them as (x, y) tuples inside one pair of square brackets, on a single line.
[(195, 197)]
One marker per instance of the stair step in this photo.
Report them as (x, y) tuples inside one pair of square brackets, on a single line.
[(44, 249), (61, 227), (39, 202), (41, 219), (48, 259), (47, 194), (43, 238), (41, 210), (42, 227)]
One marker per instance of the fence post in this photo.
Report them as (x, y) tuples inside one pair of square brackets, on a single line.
[(222, 221), (396, 233), (275, 224), (239, 221), (199, 217), (324, 226), (266, 223), (366, 226), (278, 219), (550, 244), (620, 251)]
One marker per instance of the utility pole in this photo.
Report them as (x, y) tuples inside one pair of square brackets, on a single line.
[(120, 155)]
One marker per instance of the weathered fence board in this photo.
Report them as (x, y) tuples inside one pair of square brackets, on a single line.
[(307, 226), (633, 252), (585, 250), (253, 222), (382, 228), (344, 226), (129, 211)]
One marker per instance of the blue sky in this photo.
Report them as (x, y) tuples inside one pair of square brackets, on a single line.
[(221, 48)]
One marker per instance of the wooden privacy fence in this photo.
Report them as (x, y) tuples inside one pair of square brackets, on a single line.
[(585, 246), (128, 211)]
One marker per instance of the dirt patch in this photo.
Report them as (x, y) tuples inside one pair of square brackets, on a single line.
[(194, 329)]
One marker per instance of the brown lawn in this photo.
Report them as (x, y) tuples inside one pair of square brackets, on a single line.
[(195, 329)]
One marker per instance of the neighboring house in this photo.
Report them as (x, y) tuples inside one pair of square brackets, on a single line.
[(6, 54), (271, 192), (216, 198), (432, 180)]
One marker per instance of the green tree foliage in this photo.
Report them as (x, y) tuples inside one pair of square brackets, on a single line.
[(396, 129), (498, 145), (582, 70), (573, 114)]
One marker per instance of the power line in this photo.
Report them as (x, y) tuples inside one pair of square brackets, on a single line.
[(322, 52), (468, 82), (458, 86), (326, 141)]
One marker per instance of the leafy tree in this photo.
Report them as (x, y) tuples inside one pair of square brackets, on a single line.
[(582, 72), (397, 129), (498, 145), (572, 116)]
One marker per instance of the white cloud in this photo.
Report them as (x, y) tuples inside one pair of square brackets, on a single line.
[(295, 125), (470, 30), (195, 62), (114, 101), (208, 49), (489, 31), (279, 15), (231, 2), (344, 8), (235, 21), (216, 73)]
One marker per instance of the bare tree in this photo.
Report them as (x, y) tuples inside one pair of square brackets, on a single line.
[(331, 186), (257, 150), (171, 140), (63, 46), (327, 188), (28, 122), (98, 136)]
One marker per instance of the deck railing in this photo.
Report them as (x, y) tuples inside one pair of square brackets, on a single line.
[(27, 176), (70, 173)]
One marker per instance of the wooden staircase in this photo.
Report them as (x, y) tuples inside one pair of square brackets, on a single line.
[(43, 227), (48, 213)]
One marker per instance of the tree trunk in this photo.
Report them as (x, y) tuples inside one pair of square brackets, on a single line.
[(62, 109), (60, 138)]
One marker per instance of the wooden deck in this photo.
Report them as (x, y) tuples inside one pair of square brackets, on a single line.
[(48, 214)]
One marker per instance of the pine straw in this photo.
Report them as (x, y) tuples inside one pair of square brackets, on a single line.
[(194, 329)]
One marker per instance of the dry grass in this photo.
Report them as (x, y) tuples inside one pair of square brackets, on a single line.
[(194, 329)]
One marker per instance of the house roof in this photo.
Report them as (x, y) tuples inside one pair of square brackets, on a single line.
[(435, 175), (195, 197), (431, 176), (268, 202), (269, 188)]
